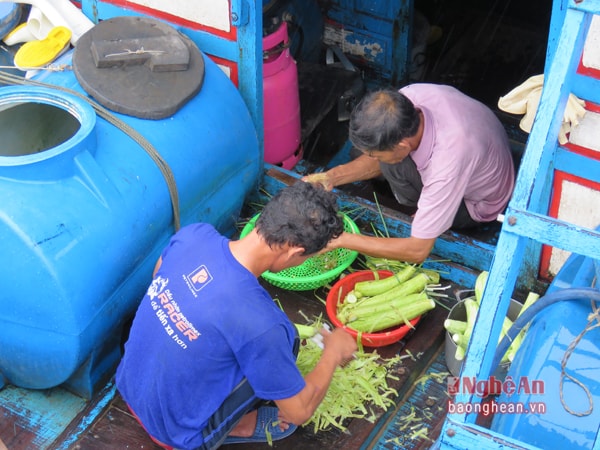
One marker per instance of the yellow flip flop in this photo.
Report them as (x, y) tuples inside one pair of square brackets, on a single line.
[(40, 53)]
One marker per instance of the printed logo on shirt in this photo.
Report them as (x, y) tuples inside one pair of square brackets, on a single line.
[(158, 285), (173, 319), (199, 278)]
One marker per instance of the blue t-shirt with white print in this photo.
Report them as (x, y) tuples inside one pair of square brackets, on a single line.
[(204, 324)]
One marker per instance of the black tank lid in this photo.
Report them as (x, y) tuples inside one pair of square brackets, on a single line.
[(138, 66)]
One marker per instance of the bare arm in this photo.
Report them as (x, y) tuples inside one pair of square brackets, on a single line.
[(410, 249), (339, 348), (362, 168), (157, 266)]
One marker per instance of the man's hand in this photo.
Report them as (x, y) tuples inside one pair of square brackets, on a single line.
[(362, 168), (341, 343), (332, 244), (338, 348), (321, 178)]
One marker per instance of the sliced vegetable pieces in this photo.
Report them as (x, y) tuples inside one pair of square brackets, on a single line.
[(354, 389)]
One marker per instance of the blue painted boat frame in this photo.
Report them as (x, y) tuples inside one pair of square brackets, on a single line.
[(526, 221)]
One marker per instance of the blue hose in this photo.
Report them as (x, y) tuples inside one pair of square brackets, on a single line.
[(536, 307)]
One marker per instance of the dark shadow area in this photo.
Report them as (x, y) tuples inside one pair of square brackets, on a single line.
[(484, 49)]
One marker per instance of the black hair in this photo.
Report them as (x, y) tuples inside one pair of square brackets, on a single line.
[(381, 120), (301, 215)]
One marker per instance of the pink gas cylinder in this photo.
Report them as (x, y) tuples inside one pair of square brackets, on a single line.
[(281, 98)]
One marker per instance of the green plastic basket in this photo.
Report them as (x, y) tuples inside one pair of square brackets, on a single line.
[(316, 271)]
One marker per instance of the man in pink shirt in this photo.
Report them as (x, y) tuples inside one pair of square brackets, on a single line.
[(441, 151)]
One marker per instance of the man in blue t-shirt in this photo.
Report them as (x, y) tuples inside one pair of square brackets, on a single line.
[(208, 345)]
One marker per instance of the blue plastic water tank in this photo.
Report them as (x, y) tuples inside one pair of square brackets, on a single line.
[(86, 212), (562, 416), (10, 15)]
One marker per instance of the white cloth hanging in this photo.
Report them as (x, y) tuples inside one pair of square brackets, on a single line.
[(525, 98)]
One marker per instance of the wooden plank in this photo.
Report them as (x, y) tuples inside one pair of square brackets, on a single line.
[(423, 409), (116, 429), (456, 435), (554, 232), (33, 419)]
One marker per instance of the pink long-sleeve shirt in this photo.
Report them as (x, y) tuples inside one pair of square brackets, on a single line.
[(464, 153)]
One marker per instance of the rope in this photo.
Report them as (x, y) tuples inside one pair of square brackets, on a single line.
[(594, 316), (569, 294), (6, 78)]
